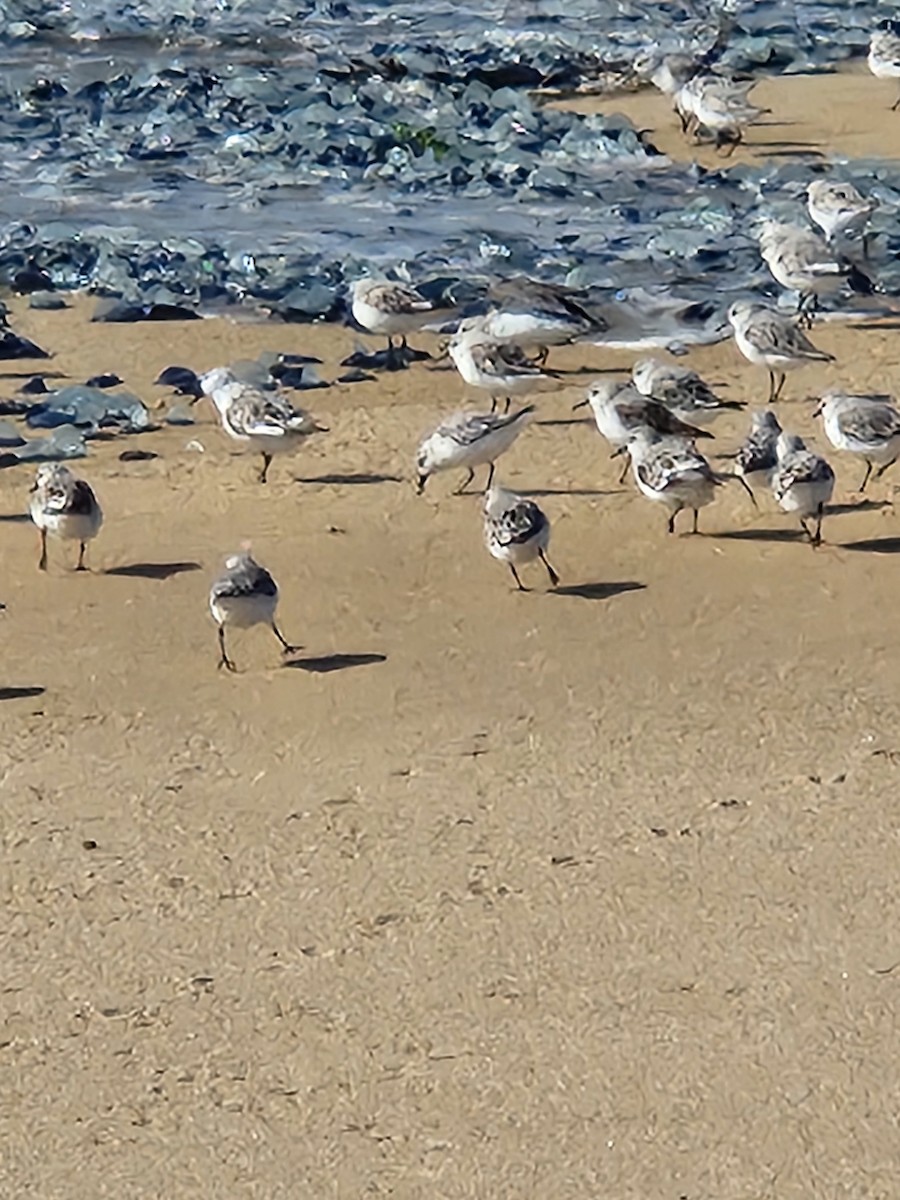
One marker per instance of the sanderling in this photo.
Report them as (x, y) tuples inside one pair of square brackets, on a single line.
[(758, 456), (718, 105), (244, 594), (65, 507), (266, 421), (516, 531), (837, 207), (801, 260), (884, 57), (469, 440), (534, 313), (388, 307), (501, 370), (671, 471), (865, 425), (802, 483), (768, 339), (620, 410), (680, 389)]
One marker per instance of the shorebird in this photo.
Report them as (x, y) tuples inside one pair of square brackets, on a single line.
[(66, 508)]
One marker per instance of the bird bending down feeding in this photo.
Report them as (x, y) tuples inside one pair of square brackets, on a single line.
[(245, 594), (66, 508), (469, 440), (267, 422), (516, 531)]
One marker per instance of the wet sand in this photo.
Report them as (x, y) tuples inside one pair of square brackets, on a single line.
[(483, 893)]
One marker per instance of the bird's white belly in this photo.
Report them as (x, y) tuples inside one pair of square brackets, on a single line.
[(805, 498), (377, 320), (243, 611), (74, 527)]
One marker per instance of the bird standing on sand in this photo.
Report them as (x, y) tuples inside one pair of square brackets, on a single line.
[(802, 483), (499, 369), (769, 339), (389, 307), (516, 531), (670, 471), (266, 421), (245, 594), (65, 507), (868, 426)]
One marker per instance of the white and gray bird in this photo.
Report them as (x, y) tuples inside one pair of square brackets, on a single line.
[(245, 594), (769, 339), (681, 390), (619, 411), (529, 312), (469, 440), (516, 531), (720, 106), (884, 57), (388, 307), (500, 369), (865, 425), (265, 421), (671, 471), (758, 456), (837, 207), (802, 261), (802, 483), (64, 507)]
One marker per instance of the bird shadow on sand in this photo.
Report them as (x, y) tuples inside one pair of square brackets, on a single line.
[(149, 570), (20, 693), (885, 545), (532, 493), (325, 663), (841, 510), (598, 591), (762, 535), (16, 518), (562, 421), (353, 480)]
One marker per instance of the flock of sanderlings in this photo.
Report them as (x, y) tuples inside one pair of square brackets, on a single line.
[(655, 418)]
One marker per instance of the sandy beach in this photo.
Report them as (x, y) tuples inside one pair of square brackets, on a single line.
[(481, 894)]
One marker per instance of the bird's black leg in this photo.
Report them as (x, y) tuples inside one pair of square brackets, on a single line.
[(264, 473), (670, 528), (895, 105), (519, 583), (286, 647), (862, 486), (817, 538), (507, 404), (490, 479), (224, 660), (81, 549), (781, 381), (881, 470), (554, 578), (42, 561), (694, 528), (461, 491)]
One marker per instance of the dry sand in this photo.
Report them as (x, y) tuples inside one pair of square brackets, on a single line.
[(489, 895)]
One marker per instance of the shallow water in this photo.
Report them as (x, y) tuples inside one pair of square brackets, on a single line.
[(264, 153)]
